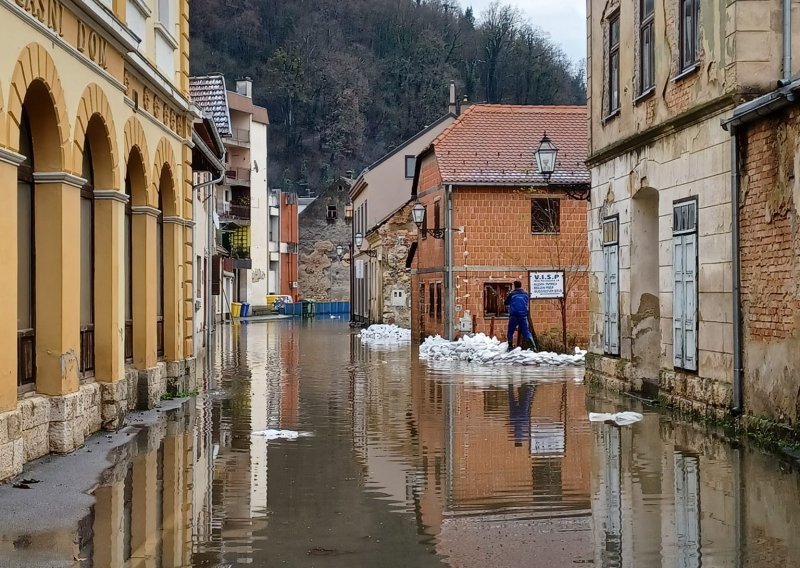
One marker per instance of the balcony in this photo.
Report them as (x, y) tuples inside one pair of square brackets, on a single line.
[(240, 137), (238, 176)]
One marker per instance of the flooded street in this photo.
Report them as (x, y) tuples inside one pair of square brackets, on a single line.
[(402, 464)]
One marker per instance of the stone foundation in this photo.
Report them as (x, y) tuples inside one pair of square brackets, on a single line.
[(60, 424), (686, 392)]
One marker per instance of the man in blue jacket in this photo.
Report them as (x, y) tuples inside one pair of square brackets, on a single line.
[(518, 303)]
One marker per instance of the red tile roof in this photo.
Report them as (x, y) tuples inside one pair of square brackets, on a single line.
[(495, 144)]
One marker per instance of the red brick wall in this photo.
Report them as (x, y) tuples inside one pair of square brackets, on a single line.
[(770, 265), (768, 240), (500, 247)]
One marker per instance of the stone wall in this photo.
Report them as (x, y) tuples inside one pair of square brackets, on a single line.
[(321, 275), (770, 267), (60, 424), (396, 236)]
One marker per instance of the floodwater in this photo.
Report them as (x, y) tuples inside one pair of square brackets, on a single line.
[(409, 465)]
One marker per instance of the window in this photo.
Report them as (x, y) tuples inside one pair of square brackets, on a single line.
[(331, 214), (87, 263), (438, 301), (26, 262), (411, 162), (613, 64), (494, 298), (436, 214), (611, 286), (431, 300), (646, 46), (689, 33), (164, 16), (545, 215), (424, 228), (684, 292)]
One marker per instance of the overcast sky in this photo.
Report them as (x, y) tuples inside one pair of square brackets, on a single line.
[(564, 20)]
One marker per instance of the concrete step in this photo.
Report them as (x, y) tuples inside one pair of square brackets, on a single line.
[(261, 310)]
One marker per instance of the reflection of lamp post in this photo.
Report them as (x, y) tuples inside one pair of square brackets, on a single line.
[(360, 241), (418, 214), (546, 157)]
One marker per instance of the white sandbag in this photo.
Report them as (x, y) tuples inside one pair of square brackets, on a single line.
[(272, 434), (485, 350)]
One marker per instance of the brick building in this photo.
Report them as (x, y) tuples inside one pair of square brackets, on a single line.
[(765, 132), (507, 221), (661, 80)]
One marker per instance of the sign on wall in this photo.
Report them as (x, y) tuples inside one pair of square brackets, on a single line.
[(359, 269), (546, 285)]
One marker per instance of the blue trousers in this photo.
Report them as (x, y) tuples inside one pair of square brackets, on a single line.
[(520, 322)]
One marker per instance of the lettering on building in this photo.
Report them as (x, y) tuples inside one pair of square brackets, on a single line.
[(91, 44), (48, 12)]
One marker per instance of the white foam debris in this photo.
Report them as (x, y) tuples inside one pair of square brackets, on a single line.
[(272, 434), (384, 334), (491, 351), (620, 418)]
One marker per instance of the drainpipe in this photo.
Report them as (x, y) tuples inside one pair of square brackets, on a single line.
[(738, 372), (787, 42), (209, 251), (448, 252)]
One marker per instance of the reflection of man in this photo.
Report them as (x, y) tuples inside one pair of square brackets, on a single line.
[(519, 412)]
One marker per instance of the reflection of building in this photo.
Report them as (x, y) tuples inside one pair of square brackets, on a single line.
[(143, 512), (96, 177)]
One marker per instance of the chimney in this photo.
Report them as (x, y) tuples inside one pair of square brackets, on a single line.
[(245, 87), (452, 105), (350, 174)]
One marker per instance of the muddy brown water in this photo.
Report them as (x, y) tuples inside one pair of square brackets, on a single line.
[(410, 464)]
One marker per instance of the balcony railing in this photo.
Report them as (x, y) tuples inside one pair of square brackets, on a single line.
[(26, 374), (238, 175), (129, 340), (241, 135), (160, 336), (87, 349), (238, 212)]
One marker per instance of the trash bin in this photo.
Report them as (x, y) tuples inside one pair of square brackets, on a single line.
[(236, 309), (245, 310)]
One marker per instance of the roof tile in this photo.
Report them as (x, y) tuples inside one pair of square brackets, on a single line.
[(495, 144), (208, 92)]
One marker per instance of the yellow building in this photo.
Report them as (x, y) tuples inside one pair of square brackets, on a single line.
[(95, 171)]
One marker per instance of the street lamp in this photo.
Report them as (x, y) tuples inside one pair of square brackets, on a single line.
[(546, 157), (359, 238), (418, 215), (339, 251)]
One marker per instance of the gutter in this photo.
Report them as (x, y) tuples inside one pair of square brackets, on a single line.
[(448, 254)]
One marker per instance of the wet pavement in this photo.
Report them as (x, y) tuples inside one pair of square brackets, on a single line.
[(409, 464)]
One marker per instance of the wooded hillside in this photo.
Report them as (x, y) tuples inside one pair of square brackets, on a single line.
[(347, 80)]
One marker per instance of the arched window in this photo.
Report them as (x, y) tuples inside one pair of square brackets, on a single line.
[(26, 264), (87, 262), (128, 264), (160, 278)]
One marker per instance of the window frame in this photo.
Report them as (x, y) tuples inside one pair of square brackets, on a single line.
[(685, 65), (437, 214), (613, 64), (502, 311), (413, 161), (646, 25), (332, 209), (555, 228), (431, 299), (439, 309)]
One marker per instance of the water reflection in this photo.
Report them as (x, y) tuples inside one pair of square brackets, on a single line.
[(411, 465)]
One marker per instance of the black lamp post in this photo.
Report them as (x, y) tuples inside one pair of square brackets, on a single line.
[(418, 214)]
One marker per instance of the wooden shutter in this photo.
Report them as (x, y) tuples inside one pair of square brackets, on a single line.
[(690, 302), (678, 302), (611, 300)]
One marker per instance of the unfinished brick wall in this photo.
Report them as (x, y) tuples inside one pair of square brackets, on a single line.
[(770, 269)]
